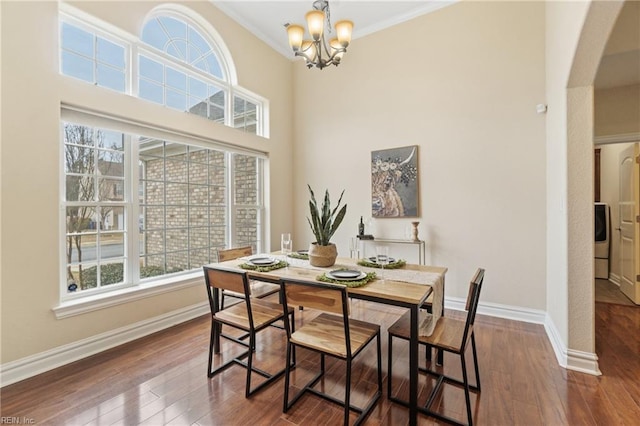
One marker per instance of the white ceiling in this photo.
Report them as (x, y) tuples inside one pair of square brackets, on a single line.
[(266, 19), (620, 64)]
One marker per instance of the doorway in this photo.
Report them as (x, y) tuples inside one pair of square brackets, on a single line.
[(612, 161)]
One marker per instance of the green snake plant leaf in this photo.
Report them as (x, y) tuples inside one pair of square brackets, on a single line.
[(324, 222)]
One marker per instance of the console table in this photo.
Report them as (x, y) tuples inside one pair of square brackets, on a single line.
[(420, 244)]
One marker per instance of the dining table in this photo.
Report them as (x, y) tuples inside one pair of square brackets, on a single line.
[(407, 287)]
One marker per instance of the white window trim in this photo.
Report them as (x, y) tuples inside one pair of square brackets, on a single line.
[(125, 293), (134, 45), (94, 302), (262, 109)]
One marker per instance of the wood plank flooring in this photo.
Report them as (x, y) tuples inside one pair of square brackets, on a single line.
[(161, 380)]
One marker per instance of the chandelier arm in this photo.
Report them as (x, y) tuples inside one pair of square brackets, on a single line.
[(304, 55), (335, 53)]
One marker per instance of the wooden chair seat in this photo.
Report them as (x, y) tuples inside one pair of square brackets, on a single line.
[(325, 333), (263, 314), (448, 333)]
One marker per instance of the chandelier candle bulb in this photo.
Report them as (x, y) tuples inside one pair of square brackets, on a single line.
[(315, 23), (296, 33), (344, 30)]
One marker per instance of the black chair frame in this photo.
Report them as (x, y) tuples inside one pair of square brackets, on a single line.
[(309, 387), (472, 306), (213, 293), (223, 294)]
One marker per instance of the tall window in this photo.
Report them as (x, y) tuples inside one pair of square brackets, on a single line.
[(146, 208), (190, 201)]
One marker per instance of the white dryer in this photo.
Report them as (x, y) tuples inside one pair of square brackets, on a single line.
[(602, 240)]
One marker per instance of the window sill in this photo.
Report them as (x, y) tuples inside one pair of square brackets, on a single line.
[(105, 300)]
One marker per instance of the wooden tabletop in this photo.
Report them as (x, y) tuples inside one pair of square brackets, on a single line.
[(383, 290)]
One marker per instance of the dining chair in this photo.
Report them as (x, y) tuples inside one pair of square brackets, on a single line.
[(259, 289), (450, 335), (331, 333), (250, 317)]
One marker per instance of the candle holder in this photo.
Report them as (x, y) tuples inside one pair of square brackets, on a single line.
[(415, 231)]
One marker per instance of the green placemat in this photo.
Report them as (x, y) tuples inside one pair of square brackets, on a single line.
[(393, 265), (295, 255), (370, 277), (249, 266)]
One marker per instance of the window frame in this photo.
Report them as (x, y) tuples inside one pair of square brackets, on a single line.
[(73, 303), (133, 289), (134, 45), (113, 35)]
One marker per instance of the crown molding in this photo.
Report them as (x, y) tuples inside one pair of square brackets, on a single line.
[(285, 51)]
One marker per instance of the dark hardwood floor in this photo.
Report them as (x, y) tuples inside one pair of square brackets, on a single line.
[(161, 380)]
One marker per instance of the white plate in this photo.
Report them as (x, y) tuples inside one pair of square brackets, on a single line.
[(263, 261), (346, 275)]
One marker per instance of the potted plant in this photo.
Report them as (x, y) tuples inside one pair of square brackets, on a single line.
[(324, 223)]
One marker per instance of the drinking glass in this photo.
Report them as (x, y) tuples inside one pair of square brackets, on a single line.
[(382, 257), (354, 249), (286, 245)]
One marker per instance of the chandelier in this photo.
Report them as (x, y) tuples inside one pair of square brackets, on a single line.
[(317, 52)]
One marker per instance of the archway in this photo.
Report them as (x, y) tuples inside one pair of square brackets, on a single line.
[(599, 21)]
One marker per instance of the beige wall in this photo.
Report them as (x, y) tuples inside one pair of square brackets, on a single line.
[(617, 110), (30, 192), (461, 83)]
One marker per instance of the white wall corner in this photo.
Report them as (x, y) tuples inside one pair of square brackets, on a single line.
[(15, 371), (583, 362)]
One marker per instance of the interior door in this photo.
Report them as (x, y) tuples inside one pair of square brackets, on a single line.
[(629, 226)]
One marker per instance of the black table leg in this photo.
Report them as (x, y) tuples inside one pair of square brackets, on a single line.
[(413, 368)]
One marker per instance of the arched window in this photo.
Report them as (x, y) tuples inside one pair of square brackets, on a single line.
[(183, 42), (146, 204), (179, 68), (181, 63)]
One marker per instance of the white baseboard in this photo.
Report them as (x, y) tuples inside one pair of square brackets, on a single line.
[(514, 313), (570, 359), (614, 278), (584, 362), (24, 368)]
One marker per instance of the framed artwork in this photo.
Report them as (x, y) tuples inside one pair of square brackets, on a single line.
[(394, 182)]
